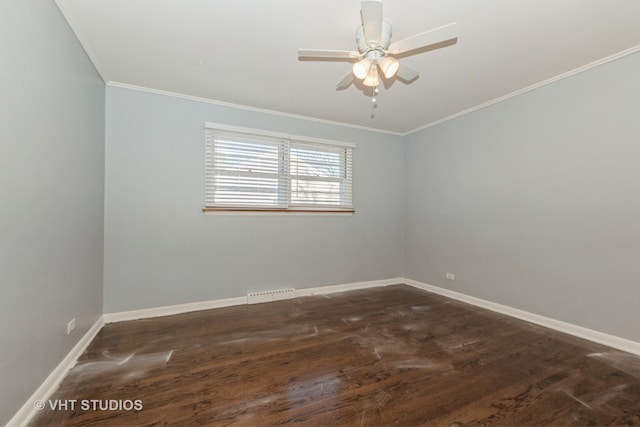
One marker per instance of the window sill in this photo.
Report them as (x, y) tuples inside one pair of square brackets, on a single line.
[(290, 212)]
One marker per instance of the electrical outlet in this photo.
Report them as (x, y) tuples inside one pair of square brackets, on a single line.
[(71, 325), (451, 276)]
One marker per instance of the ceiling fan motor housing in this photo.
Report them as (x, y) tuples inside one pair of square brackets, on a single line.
[(383, 44)]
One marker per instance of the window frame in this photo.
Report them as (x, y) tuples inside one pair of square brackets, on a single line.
[(345, 180)]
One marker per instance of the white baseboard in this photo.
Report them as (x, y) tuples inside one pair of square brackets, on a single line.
[(168, 310), (330, 289), (147, 313), (568, 328), (46, 389)]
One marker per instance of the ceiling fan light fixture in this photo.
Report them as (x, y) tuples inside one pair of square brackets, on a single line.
[(389, 66), (371, 78), (376, 54), (361, 68)]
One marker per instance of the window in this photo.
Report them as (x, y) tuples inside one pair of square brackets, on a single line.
[(253, 170)]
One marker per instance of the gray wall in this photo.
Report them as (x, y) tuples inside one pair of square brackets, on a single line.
[(51, 195), (160, 249), (535, 202)]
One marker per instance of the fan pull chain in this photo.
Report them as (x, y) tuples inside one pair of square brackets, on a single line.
[(374, 101)]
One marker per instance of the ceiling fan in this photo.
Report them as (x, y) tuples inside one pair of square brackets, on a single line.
[(375, 49)]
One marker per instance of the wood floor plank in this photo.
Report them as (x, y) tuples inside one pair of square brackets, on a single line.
[(385, 356)]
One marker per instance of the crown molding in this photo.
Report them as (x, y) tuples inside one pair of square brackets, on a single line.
[(546, 82), (75, 26), (247, 108)]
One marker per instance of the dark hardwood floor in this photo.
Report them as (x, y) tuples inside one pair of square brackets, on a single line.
[(386, 356)]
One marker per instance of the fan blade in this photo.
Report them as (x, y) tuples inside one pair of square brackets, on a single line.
[(335, 54), (422, 40), (371, 11), (407, 73), (345, 82)]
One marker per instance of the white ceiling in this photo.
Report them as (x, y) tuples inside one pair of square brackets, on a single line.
[(245, 51)]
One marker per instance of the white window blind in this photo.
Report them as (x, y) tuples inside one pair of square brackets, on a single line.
[(247, 171), (320, 175)]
